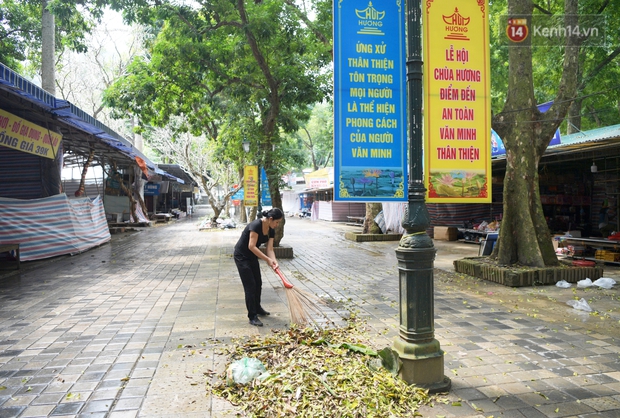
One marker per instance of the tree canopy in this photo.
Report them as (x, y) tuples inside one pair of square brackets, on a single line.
[(20, 29), (597, 97), (254, 66)]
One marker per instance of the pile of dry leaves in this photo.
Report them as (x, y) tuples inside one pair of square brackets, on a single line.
[(320, 373)]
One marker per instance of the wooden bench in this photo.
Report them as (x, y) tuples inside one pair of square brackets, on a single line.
[(356, 220), (5, 248)]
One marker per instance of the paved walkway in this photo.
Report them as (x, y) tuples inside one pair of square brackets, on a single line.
[(131, 329)]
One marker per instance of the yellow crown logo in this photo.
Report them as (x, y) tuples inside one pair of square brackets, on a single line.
[(370, 20), (456, 25)]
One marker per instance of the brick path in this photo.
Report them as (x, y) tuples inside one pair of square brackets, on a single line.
[(130, 329)]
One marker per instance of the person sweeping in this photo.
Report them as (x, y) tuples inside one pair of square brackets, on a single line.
[(247, 253)]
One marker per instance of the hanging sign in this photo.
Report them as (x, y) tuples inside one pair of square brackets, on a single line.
[(21, 135), (457, 101), (264, 188), (151, 189), (370, 124), (250, 185)]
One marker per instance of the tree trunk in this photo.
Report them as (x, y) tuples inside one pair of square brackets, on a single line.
[(138, 188), (370, 226), (276, 199), (82, 187), (574, 117), (524, 235), (128, 192), (49, 168), (48, 47), (594, 113), (216, 208), (243, 216), (269, 117)]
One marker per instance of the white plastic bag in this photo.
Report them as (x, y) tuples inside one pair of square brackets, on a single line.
[(563, 284), (605, 283), (584, 283), (581, 304), (245, 370)]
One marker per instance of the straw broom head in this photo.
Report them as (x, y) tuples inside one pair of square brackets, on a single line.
[(301, 305)]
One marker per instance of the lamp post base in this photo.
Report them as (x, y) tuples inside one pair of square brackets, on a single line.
[(422, 365)]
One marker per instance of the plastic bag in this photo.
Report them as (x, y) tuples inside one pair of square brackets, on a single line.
[(584, 283), (563, 284), (244, 371), (580, 304), (605, 283)]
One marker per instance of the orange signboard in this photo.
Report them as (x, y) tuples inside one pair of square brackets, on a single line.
[(457, 101), (250, 185), (21, 135)]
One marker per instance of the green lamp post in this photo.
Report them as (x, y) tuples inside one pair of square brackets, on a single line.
[(419, 351)]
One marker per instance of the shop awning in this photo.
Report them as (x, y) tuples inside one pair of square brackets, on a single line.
[(81, 132)]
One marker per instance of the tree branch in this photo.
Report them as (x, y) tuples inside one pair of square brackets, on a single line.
[(609, 58), (545, 11)]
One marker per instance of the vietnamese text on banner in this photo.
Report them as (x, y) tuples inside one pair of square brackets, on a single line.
[(250, 185), (370, 124), (21, 135), (457, 101)]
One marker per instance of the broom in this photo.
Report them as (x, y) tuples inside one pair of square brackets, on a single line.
[(300, 304)]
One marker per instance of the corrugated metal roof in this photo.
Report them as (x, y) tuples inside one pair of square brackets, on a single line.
[(81, 132), (598, 134), (599, 139), (592, 142)]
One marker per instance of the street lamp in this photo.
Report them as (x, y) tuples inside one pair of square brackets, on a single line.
[(419, 351), (246, 145)]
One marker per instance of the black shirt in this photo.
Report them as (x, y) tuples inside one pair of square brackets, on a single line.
[(244, 240)]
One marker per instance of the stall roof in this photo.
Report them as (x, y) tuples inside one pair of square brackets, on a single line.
[(595, 143), (81, 132), (177, 171), (168, 175), (594, 139)]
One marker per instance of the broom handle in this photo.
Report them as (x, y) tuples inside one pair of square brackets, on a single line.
[(285, 282)]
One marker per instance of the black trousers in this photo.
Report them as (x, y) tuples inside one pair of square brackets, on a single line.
[(249, 271)]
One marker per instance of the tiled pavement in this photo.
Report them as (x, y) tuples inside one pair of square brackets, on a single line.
[(130, 329)]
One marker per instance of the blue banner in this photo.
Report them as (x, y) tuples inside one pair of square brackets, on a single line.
[(370, 123), (264, 189), (238, 195)]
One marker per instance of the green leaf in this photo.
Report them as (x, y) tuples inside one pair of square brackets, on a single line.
[(390, 360), (360, 348)]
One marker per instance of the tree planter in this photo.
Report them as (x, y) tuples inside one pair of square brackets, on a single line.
[(359, 237), (281, 252), (483, 268)]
